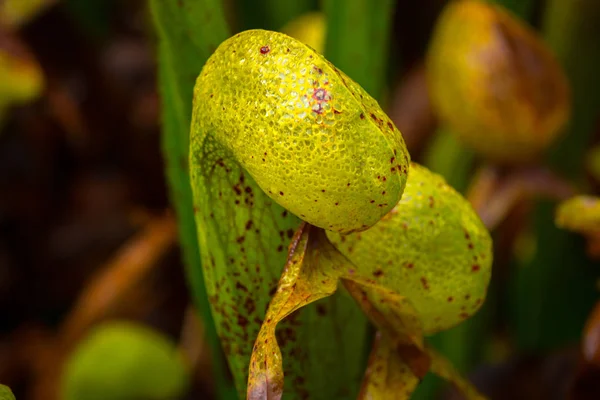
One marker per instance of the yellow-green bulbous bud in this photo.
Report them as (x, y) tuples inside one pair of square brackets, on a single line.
[(124, 361), (6, 393), (495, 83), (312, 139), (431, 248)]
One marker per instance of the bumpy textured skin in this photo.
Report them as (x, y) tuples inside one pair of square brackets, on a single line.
[(254, 159), (493, 81), (431, 248), (313, 139), (278, 131), (579, 214)]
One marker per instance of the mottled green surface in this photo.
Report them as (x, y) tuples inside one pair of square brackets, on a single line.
[(409, 274), (431, 248), (301, 127), (280, 135), (124, 361), (261, 95)]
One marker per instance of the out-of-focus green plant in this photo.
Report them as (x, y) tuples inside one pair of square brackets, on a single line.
[(358, 36), (14, 13), (309, 28), (124, 361), (495, 83), (490, 80), (550, 298), (21, 77), (298, 151), (6, 393), (579, 214), (184, 45), (271, 14)]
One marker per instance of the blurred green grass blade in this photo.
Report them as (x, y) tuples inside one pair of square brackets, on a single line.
[(572, 29), (449, 158), (358, 34), (271, 14), (184, 46), (555, 289)]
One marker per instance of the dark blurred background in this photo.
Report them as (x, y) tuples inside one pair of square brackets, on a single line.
[(86, 231)]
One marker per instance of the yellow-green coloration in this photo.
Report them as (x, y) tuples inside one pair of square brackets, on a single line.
[(579, 214), (431, 248), (124, 361), (279, 135), (14, 13), (387, 376), (263, 129), (399, 357), (299, 127), (6, 393), (494, 82), (423, 268), (21, 78), (310, 29)]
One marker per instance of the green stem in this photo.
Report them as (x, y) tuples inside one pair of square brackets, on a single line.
[(554, 290), (357, 41), (449, 158), (183, 48)]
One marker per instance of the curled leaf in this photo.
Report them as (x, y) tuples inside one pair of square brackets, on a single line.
[(311, 138), (495, 83), (277, 130), (432, 248), (380, 276), (387, 376), (311, 273)]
